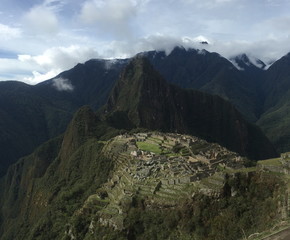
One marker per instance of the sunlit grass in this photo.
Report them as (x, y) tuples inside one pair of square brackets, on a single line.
[(145, 146)]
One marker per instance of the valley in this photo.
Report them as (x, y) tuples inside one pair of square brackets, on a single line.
[(146, 159), (97, 181), (259, 94), (144, 120)]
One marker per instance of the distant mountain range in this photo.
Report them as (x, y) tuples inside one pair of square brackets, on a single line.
[(30, 115), (57, 191)]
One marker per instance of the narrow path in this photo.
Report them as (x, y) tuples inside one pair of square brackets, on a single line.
[(283, 235)]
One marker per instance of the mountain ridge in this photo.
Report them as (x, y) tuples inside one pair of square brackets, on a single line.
[(79, 195), (92, 82), (147, 101)]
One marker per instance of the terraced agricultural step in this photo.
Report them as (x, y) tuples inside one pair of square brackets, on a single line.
[(145, 192), (165, 199), (113, 197), (207, 184), (146, 188), (173, 191), (154, 140), (116, 193), (126, 178), (112, 210), (215, 181), (175, 186), (169, 192)]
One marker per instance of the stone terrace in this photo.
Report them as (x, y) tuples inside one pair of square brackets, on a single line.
[(163, 168)]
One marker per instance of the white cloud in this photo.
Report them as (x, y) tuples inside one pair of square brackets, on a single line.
[(209, 3), (274, 27), (62, 84), (267, 49), (159, 42), (112, 17), (223, 1), (55, 60), (112, 10), (42, 19), (37, 76), (7, 32), (12, 69), (121, 28)]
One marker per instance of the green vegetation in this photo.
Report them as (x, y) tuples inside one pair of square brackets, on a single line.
[(150, 147), (272, 162), (72, 196), (60, 190), (52, 184), (252, 209)]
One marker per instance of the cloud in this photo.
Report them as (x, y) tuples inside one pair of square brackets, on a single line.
[(159, 42), (7, 32), (62, 84), (209, 3), (112, 17), (12, 69), (267, 50), (274, 27), (62, 57), (42, 19), (35, 77), (55, 60), (113, 28)]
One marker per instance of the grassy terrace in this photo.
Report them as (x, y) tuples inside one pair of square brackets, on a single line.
[(240, 170), (145, 146), (155, 139), (272, 162)]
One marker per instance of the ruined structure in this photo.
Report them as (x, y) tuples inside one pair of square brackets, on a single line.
[(161, 167)]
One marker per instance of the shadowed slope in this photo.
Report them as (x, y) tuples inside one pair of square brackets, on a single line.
[(142, 98)]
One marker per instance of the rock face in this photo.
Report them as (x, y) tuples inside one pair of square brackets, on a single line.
[(142, 98)]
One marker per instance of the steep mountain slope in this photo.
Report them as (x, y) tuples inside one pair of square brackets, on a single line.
[(211, 73), (244, 63), (277, 81), (30, 115), (276, 118), (91, 82), (27, 119), (142, 98), (40, 191), (84, 185)]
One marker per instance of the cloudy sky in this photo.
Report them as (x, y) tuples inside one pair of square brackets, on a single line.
[(40, 38)]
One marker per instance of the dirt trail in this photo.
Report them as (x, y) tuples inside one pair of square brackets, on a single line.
[(283, 235)]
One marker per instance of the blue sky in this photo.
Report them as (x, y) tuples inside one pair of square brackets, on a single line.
[(40, 38)]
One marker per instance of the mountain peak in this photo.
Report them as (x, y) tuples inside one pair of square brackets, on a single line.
[(142, 98), (243, 61), (128, 91), (80, 128), (243, 57)]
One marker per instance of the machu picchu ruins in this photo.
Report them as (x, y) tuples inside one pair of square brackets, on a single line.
[(163, 167)]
